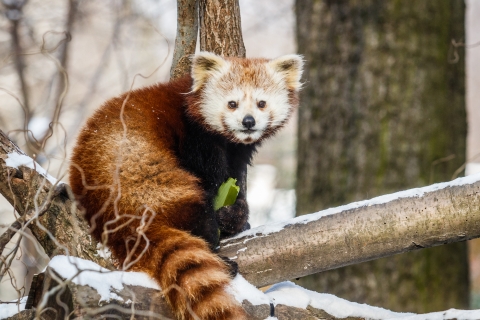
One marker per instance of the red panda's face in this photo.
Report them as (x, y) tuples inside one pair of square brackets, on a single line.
[(245, 99)]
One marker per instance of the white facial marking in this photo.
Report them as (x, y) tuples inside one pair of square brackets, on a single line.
[(219, 91)]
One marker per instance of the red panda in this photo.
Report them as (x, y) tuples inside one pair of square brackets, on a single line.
[(147, 166)]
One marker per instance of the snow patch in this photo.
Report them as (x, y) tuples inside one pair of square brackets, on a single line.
[(290, 294), (87, 273), (84, 272), (103, 251), (16, 160), (411, 193), (442, 315), (241, 289), (10, 309)]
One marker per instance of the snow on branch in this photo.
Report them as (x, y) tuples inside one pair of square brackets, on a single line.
[(387, 225), (44, 205), (127, 295)]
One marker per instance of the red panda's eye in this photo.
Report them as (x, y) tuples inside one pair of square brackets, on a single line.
[(261, 104), (232, 105)]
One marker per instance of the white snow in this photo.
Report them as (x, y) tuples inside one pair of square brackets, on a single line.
[(290, 294), (10, 309), (84, 272), (15, 160), (442, 315), (410, 193), (241, 289), (103, 251), (102, 280)]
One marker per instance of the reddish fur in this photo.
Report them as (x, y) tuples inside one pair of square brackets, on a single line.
[(149, 181)]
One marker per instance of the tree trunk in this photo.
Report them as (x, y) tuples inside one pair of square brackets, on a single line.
[(382, 110), (186, 39), (221, 28)]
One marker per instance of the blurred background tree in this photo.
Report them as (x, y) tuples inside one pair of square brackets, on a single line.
[(383, 110)]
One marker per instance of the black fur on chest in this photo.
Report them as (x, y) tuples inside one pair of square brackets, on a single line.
[(213, 158)]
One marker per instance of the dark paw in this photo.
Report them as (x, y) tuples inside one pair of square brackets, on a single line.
[(232, 219), (232, 266), (245, 227)]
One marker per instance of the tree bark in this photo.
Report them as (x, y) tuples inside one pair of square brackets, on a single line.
[(61, 230), (358, 232), (65, 298), (186, 39), (220, 28), (382, 110)]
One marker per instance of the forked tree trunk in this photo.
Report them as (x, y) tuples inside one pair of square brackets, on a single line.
[(382, 110), (220, 31)]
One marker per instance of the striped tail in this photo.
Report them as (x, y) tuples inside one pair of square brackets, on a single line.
[(193, 279)]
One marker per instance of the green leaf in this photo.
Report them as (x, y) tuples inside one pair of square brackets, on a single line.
[(227, 194)]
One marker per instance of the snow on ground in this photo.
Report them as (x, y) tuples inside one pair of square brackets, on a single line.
[(15, 160), (410, 193), (10, 309)]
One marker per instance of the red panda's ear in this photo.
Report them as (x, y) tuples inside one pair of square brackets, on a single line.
[(205, 64), (291, 68)]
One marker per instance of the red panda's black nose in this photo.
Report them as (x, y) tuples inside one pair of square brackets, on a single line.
[(248, 122)]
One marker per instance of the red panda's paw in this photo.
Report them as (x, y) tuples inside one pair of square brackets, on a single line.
[(245, 227), (232, 266), (233, 219)]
